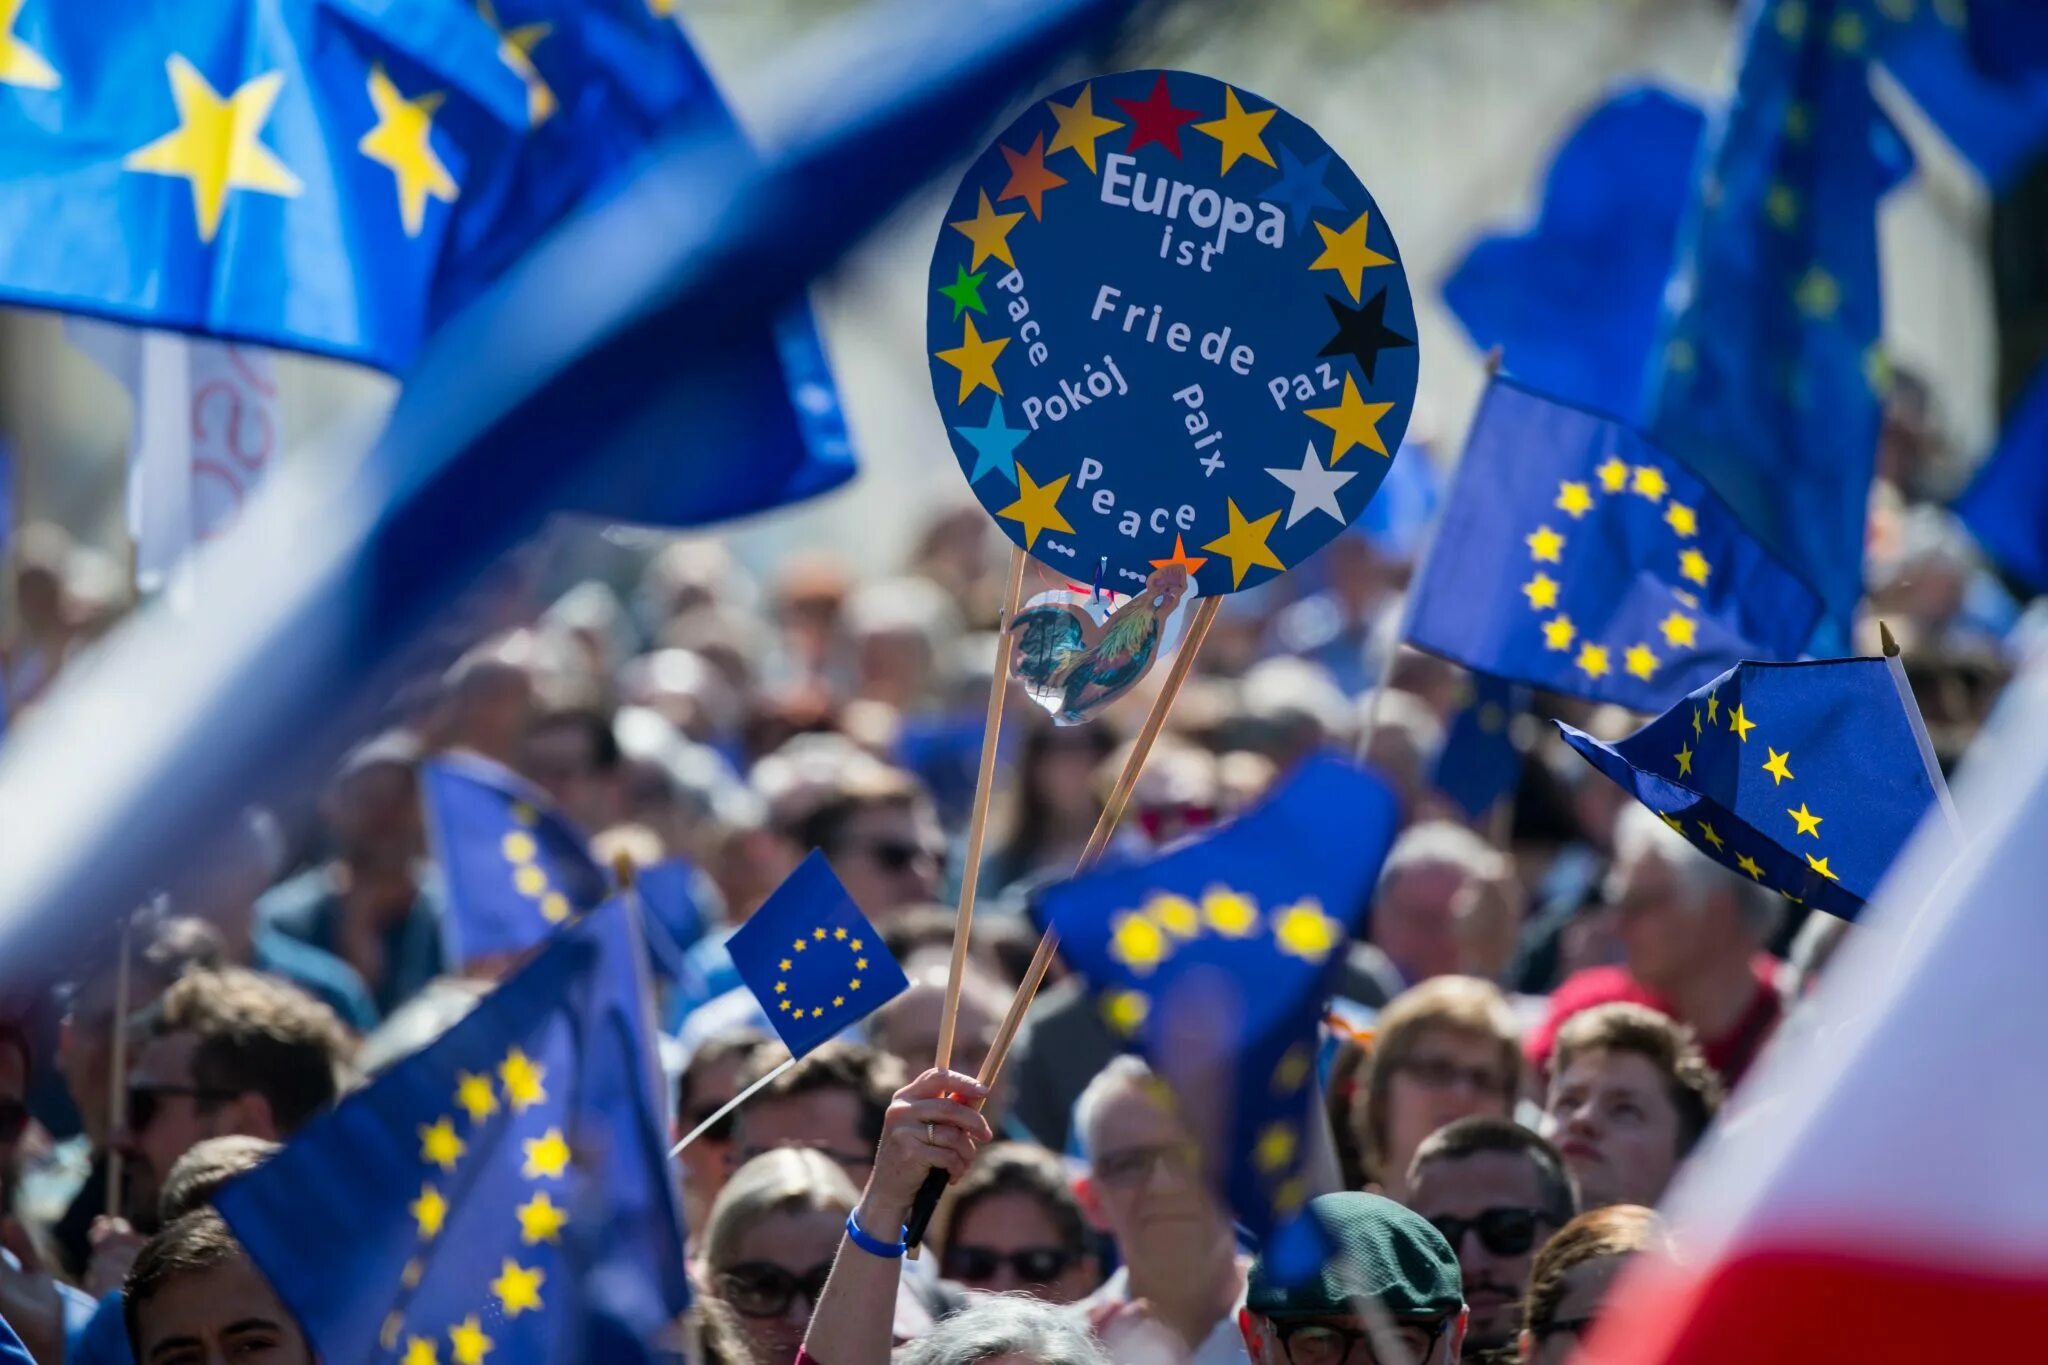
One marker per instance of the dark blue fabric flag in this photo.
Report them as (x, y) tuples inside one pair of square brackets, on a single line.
[(1573, 302), (1808, 777), (812, 959), (2008, 38), (1479, 765), (2006, 505), (672, 917), (1999, 126), (1769, 376), (504, 1192), (1215, 961), (1575, 556), (516, 869)]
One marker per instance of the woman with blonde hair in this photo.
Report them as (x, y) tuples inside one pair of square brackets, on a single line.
[(768, 1248), (1571, 1275)]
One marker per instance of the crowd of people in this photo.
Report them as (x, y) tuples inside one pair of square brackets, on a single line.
[(1547, 1008)]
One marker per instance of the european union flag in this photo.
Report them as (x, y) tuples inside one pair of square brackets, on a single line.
[(516, 869), (1215, 960), (2006, 505), (1806, 777), (1769, 377), (1999, 125), (1575, 556), (812, 959), (670, 912), (504, 1193), (1480, 765)]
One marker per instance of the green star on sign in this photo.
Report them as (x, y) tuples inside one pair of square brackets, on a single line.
[(965, 292)]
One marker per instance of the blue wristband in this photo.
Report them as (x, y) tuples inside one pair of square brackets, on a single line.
[(874, 1246)]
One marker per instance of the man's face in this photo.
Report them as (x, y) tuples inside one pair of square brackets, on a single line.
[(890, 858), (1415, 922), (1659, 929), (1489, 1206), (166, 1116), (1145, 1182), (826, 1120), (1345, 1339), (228, 1315), (560, 760), (705, 1163), (1451, 1073), (1611, 1116)]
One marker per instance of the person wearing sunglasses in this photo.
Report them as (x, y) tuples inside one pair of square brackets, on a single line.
[(707, 1085), (1014, 1226), (1573, 1274), (880, 834), (1387, 1293), (768, 1248), (1497, 1192)]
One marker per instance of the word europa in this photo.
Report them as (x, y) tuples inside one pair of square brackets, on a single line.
[(1206, 208), (1072, 397), (1178, 335)]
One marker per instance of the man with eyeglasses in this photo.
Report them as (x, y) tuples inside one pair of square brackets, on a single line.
[(879, 832), (1497, 1192), (832, 1102), (1387, 1293)]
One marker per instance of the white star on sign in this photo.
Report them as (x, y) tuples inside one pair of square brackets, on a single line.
[(1314, 487)]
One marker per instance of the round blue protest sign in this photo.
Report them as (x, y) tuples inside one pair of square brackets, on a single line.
[(1169, 328)]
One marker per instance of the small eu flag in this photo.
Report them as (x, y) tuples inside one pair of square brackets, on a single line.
[(1575, 556), (1807, 778), (1479, 765), (504, 1193), (2006, 505), (671, 915), (516, 869), (812, 959), (1215, 960)]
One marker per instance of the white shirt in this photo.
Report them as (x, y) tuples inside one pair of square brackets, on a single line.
[(1156, 1344)]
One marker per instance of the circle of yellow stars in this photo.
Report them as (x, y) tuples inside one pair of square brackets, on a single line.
[(819, 937), (1144, 939), (518, 1083), (529, 878), (1615, 477)]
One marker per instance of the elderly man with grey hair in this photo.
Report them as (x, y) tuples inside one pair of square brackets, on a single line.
[(1432, 867)]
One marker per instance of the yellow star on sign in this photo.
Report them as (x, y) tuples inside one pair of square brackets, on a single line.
[(1820, 865), (517, 1288), (1079, 126), (1592, 660), (1692, 565), (469, 1341), (515, 50), (1356, 422), (1682, 519), (474, 1094), (1613, 474), (1574, 499), (1641, 662), (1707, 833), (976, 361), (1808, 822), (21, 64), (1541, 592), (1742, 725), (217, 144), (990, 233), (541, 1220), (430, 1211), (1240, 133), (522, 1076), (1138, 943), (547, 1156), (1680, 631), (1037, 508), (1558, 633), (1230, 913), (1177, 915), (1545, 545), (1125, 1011), (420, 1351), (402, 142), (1244, 543), (1275, 1149), (1346, 253), (1684, 760), (1302, 930), (1749, 865), (440, 1145), (1775, 765)]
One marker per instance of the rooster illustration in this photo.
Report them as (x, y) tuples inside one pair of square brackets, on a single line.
[(1057, 660)]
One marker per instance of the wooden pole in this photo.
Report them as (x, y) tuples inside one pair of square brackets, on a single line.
[(117, 1069), (977, 824)]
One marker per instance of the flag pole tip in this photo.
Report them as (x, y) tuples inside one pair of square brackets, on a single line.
[(1884, 635), (1494, 357), (624, 869)]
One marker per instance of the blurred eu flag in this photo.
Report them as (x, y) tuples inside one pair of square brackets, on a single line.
[(1806, 777), (342, 177), (812, 959), (1575, 556), (1479, 765), (670, 912), (516, 869), (504, 1192), (1771, 370), (1999, 125), (1215, 961), (2006, 505)]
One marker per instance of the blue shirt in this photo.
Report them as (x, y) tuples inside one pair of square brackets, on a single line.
[(308, 908), (104, 1340), (316, 971)]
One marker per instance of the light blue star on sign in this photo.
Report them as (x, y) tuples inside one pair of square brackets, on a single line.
[(995, 445), (1301, 187)]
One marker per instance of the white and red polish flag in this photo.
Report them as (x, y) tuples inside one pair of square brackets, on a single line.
[(1880, 1193)]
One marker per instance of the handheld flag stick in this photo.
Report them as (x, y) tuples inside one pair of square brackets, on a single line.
[(1897, 668), (1048, 943), (977, 824), (117, 1070), (735, 1102)]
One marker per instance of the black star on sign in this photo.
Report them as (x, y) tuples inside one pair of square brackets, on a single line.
[(1362, 333)]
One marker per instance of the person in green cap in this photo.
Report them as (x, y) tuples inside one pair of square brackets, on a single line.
[(1387, 1292)]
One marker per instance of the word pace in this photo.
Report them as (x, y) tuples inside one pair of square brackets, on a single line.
[(1205, 208)]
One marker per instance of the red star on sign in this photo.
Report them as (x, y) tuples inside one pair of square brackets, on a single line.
[(1029, 178), (1154, 119)]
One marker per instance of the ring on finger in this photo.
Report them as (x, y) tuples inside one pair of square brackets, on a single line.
[(931, 1134)]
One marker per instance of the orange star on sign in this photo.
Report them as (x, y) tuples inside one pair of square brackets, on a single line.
[(1192, 563), (1030, 178)]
